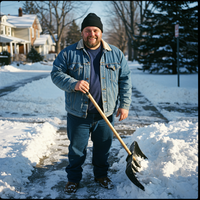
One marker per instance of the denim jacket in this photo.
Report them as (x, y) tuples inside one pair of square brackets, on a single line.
[(73, 64)]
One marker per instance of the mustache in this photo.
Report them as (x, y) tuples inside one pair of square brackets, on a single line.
[(92, 37)]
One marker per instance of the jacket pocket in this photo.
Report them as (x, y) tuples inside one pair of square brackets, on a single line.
[(113, 72), (76, 71)]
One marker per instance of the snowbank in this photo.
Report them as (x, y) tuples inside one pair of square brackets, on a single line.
[(23, 145)]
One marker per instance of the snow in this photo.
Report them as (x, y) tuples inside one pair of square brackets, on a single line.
[(42, 40), (171, 170), (22, 22)]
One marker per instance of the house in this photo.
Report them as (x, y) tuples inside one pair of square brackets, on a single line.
[(19, 33), (44, 45)]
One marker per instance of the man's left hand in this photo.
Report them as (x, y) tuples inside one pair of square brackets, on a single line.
[(123, 114)]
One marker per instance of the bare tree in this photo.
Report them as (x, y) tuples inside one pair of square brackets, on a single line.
[(131, 13), (143, 5), (128, 13), (116, 34), (58, 11)]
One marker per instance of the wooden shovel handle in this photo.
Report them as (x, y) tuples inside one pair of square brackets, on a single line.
[(109, 124)]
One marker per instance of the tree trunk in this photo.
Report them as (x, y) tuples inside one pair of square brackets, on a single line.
[(135, 51), (130, 52), (58, 47)]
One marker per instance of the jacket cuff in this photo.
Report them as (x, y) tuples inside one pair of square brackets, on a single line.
[(72, 86), (124, 106)]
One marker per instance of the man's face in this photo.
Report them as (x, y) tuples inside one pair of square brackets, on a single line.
[(91, 37)]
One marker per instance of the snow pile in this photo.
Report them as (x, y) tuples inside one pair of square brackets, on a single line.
[(23, 145), (11, 74), (35, 66), (171, 170), (9, 68)]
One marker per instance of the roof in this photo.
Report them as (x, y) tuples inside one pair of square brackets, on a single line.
[(7, 24), (42, 39), (5, 39), (25, 21)]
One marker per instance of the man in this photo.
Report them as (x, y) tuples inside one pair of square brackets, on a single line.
[(91, 65)]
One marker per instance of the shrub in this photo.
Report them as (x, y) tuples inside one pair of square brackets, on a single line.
[(34, 56)]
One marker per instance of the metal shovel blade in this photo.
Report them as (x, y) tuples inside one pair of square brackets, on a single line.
[(133, 165)]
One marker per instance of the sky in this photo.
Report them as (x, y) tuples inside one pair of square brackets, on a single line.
[(171, 171), (11, 7), (97, 7)]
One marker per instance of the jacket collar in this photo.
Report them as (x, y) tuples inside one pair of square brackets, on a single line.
[(80, 45)]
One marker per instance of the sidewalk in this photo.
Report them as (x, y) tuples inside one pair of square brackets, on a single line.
[(142, 112)]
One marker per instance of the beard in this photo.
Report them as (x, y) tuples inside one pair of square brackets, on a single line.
[(92, 44)]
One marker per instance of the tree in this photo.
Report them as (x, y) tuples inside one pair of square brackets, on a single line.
[(189, 38), (73, 34), (143, 6), (157, 43), (29, 8), (116, 34), (127, 11), (131, 12), (57, 15), (34, 56)]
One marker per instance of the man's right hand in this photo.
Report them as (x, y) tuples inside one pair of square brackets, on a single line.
[(82, 86)]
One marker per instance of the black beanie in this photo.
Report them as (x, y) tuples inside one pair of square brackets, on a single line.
[(92, 20)]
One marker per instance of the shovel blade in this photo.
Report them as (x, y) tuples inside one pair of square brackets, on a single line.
[(131, 175), (136, 151), (133, 165)]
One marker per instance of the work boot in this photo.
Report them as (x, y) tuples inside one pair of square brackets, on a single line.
[(104, 182), (71, 187)]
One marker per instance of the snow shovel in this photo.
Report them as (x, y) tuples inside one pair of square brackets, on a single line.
[(132, 164)]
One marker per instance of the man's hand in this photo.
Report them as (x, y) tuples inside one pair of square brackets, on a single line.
[(82, 86), (123, 113)]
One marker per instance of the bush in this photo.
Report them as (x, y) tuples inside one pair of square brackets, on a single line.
[(34, 56)]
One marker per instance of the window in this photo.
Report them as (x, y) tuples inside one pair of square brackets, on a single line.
[(36, 33), (4, 47), (9, 31), (2, 30), (32, 32)]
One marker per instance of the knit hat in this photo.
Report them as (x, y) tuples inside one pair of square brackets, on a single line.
[(92, 20)]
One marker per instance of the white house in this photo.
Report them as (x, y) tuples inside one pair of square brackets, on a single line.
[(20, 32), (44, 45)]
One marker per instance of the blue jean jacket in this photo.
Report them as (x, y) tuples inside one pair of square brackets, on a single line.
[(73, 64)]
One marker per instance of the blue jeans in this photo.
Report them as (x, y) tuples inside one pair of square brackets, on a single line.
[(78, 131)]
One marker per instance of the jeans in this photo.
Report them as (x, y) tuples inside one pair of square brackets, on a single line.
[(78, 131)]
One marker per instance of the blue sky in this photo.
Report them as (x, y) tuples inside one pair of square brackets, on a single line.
[(11, 7)]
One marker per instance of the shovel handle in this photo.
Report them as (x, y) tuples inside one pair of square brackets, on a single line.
[(109, 124)]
